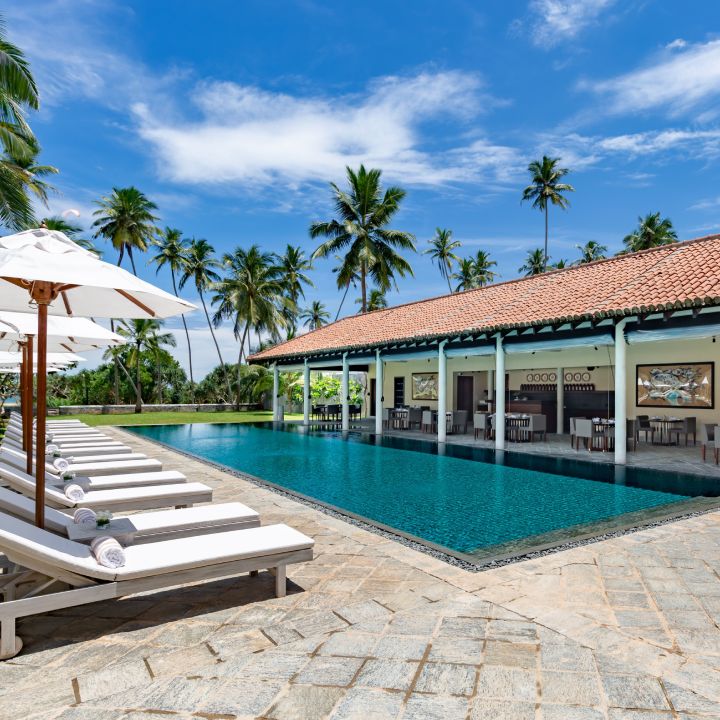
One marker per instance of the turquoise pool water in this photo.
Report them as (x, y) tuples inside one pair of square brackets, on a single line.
[(463, 500)]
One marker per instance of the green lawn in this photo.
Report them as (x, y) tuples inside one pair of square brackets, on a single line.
[(177, 418)]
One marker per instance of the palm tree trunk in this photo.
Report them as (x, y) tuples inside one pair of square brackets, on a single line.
[(187, 337), (217, 347), (239, 366), (138, 390), (363, 287), (545, 258), (132, 260), (447, 277), (347, 287)]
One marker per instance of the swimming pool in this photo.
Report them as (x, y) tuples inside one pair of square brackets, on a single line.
[(466, 500)]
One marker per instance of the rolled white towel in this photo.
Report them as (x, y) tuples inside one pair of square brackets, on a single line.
[(85, 516), (61, 464), (108, 552), (74, 492), (51, 449)]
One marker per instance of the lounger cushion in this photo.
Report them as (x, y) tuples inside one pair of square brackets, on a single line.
[(113, 467), (109, 482)]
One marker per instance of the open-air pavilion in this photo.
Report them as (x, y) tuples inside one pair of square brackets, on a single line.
[(615, 340)]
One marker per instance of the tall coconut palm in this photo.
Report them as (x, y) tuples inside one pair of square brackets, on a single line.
[(483, 274), (72, 230), (590, 252), (545, 189), (171, 251), (652, 231), (315, 316), (442, 251), (125, 218), (18, 94), (376, 300), (294, 266), (143, 334), (535, 263), (253, 296), (199, 264), (360, 229), (466, 275), (31, 173)]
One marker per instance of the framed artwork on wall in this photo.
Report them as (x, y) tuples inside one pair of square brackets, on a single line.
[(425, 386), (678, 385)]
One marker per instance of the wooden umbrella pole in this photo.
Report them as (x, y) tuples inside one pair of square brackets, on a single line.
[(42, 293), (22, 394), (28, 390)]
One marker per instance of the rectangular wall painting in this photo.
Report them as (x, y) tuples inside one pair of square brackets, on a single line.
[(686, 385), (425, 386)]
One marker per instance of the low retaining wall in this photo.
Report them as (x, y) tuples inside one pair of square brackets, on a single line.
[(126, 409)]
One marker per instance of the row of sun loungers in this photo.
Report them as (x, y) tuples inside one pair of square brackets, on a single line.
[(45, 570)]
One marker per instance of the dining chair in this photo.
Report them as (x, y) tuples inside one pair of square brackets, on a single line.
[(386, 417), (427, 424), (716, 442), (631, 433), (481, 424), (688, 427), (587, 430), (707, 437), (414, 417), (645, 426), (459, 420), (536, 424)]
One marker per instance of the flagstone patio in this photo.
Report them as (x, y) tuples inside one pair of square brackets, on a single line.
[(624, 629)]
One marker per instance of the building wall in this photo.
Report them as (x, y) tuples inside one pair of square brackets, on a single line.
[(598, 364)]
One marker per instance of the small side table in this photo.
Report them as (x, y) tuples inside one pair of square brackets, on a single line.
[(121, 529)]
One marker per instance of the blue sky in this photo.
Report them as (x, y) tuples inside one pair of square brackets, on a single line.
[(234, 116)]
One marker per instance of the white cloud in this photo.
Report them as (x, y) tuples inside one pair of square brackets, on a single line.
[(676, 83), (254, 137), (677, 44), (707, 204), (554, 21)]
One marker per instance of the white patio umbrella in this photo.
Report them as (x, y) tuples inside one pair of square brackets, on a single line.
[(65, 334), (45, 269)]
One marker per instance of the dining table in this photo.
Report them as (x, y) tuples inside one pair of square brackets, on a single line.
[(605, 440), (664, 425)]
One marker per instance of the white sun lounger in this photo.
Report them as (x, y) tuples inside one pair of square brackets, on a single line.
[(91, 466), (154, 566), (147, 526), (117, 479), (148, 497), (82, 451), (105, 482), (100, 441)]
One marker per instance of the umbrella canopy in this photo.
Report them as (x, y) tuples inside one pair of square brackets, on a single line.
[(65, 334), (85, 285), (45, 268), (51, 358)]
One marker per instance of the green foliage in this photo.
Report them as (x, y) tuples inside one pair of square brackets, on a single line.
[(442, 251), (652, 231)]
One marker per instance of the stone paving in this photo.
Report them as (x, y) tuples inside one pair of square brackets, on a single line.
[(625, 629)]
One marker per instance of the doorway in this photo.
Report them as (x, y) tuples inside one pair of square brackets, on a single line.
[(465, 389), (373, 386)]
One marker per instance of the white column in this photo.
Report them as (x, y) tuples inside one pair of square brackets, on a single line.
[(560, 400), (499, 395), (378, 393), (306, 394), (442, 393), (620, 395), (345, 392), (276, 392)]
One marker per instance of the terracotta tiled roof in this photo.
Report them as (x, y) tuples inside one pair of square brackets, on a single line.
[(682, 274)]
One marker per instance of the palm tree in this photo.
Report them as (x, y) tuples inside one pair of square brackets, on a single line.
[(376, 300), (18, 93), (125, 218), (466, 275), (31, 173), (361, 230), (143, 334), (253, 296), (560, 264), (652, 231), (315, 316), (535, 263), (482, 264), (591, 251), (294, 267), (72, 230), (199, 265), (346, 276), (545, 188), (171, 250), (441, 250)]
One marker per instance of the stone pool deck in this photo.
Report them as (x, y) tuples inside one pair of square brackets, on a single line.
[(624, 629)]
